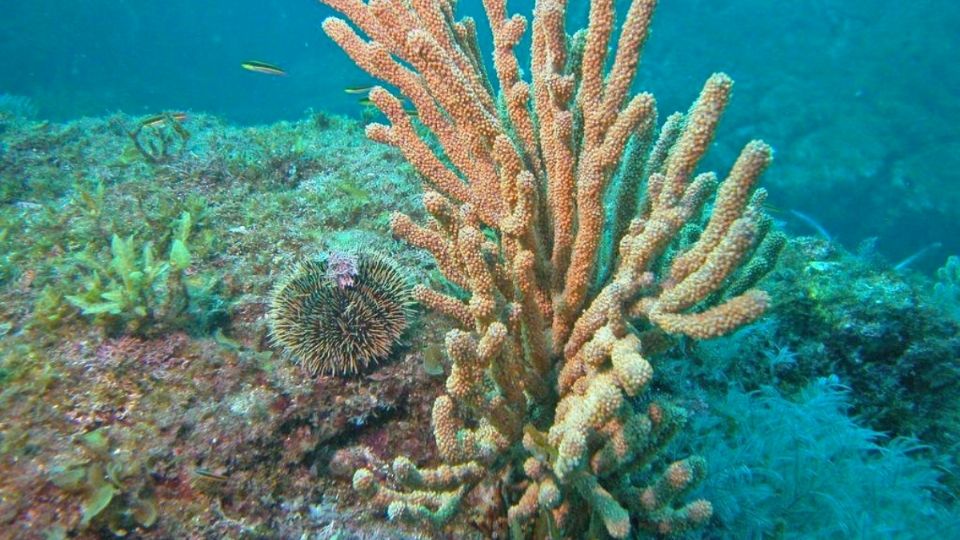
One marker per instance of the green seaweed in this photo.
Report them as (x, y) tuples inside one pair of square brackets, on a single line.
[(115, 490), (140, 294), (131, 280), (351, 196), (350, 188), (98, 500)]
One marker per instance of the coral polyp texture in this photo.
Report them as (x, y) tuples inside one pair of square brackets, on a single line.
[(340, 315), (569, 220)]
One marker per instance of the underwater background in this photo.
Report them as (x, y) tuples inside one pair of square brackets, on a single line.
[(857, 97), (141, 394)]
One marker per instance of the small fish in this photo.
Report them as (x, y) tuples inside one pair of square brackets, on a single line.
[(367, 103), (773, 208), (433, 360), (263, 67), (159, 119), (225, 342), (205, 473), (357, 89), (812, 223)]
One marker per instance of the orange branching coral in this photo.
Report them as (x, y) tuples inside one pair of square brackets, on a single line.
[(545, 367)]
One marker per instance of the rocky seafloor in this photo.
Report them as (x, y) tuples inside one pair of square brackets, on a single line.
[(140, 394)]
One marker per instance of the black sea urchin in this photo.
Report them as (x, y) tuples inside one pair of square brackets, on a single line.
[(340, 315)]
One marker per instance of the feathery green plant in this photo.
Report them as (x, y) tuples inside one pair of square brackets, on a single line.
[(803, 468)]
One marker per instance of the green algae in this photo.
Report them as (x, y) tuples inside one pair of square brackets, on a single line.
[(136, 291), (114, 488), (111, 234)]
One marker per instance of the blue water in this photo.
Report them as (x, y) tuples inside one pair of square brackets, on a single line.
[(858, 97)]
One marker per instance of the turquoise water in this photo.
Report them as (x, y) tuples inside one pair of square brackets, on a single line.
[(857, 97), (834, 416)]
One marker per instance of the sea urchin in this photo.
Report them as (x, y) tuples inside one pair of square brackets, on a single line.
[(339, 315)]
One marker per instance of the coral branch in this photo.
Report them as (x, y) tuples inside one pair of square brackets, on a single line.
[(545, 365)]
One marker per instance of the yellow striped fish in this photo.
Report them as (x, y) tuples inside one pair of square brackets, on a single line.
[(263, 67), (159, 119)]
